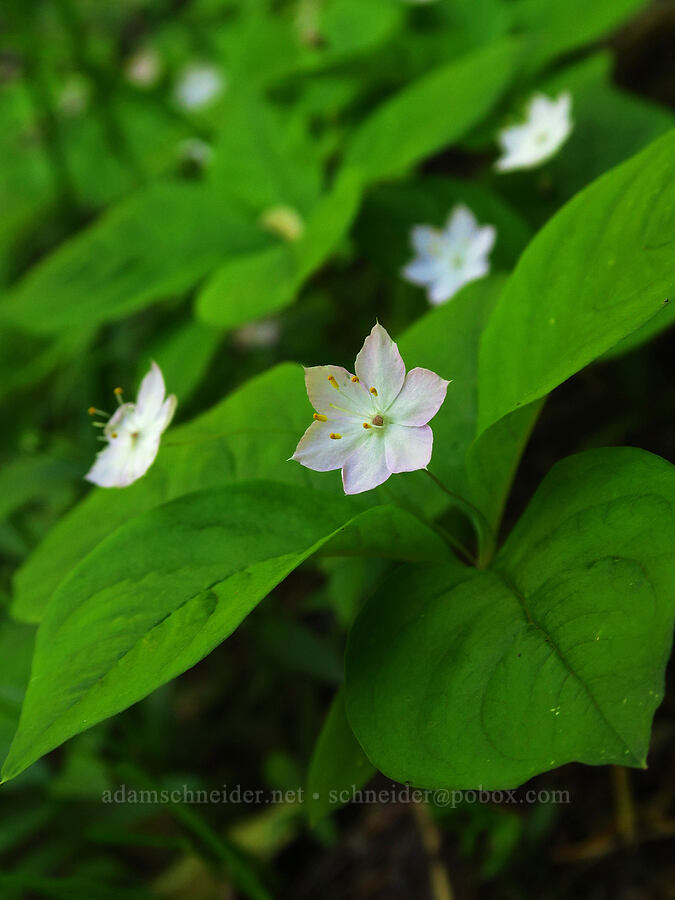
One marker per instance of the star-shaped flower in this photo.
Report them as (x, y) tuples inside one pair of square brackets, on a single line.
[(374, 423), (133, 434), (539, 137), (447, 260)]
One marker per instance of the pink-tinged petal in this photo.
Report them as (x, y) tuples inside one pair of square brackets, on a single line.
[(150, 394), (318, 451), (407, 448), (421, 397), (366, 468), (349, 398), (379, 365)]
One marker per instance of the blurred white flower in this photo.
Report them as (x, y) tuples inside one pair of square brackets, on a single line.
[(199, 85), (144, 68), (133, 434), (74, 96), (258, 335), (547, 126), (447, 260), (195, 150), (374, 423)]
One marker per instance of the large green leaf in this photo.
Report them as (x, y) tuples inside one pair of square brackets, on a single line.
[(601, 268), (262, 158), (164, 590), (158, 243), (338, 765), (250, 286), (460, 678), (253, 432), (431, 113)]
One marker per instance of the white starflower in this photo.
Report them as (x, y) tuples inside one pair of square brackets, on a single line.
[(198, 85), (374, 423), (546, 128), (452, 257), (133, 434)]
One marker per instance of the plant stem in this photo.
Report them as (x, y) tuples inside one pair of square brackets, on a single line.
[(439, 880), (486, 537), (624, 805)]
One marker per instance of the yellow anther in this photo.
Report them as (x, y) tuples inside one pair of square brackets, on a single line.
[(114, 434), (118, 391), (92, 410), (332, 380), (355, 379), (373, 391), (367, 425), (334, 436), (319, 418)]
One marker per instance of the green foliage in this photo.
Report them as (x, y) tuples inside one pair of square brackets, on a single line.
[(338, 763), (408, 126), (167, 588), (600, 269), (233, 240), (457, 678)]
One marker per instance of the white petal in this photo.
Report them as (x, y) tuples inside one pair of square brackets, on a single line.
[(166, 412), (483, 241), (318, 451), (461, 225), (366, 468), (424, 239), (421, 397), (123, 461), (150, 394), (407, 448), (445, 288), (422, 270), (350, 399), (379, 365)]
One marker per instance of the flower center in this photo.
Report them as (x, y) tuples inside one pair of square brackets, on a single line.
[(378, 420)]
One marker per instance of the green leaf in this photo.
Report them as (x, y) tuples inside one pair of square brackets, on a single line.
[(433, 112), (16, 648), (162, 591), (460, 678), (264, 159), (562, 25), (249, 287), (157, 244), (250, 434), (601, 268), (338, 764)]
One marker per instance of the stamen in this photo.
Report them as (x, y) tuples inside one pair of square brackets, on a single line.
[(332, 380), (367, 425), (319, 418), (98, 412), (118, 395), (334, 436), (114, 434), (373, 391), (355, 379)]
